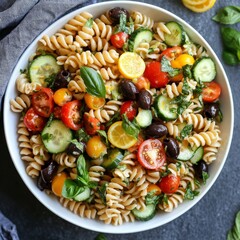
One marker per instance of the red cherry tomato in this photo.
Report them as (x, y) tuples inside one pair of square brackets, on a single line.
[(33, 121), (128, 109), (118, 39), (71, 114), (91, 124), (151, 154), (169, 184), (155, 75), (171, 53), (211, 92), (42, 102)]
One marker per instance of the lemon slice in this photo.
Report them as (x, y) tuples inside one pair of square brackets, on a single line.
[(194, 2), (119, 138), (202, 7), (131, 65)]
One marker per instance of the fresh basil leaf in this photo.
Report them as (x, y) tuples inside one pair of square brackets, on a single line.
[(234, 233), (130, 128), (103, 135), (78, 145), (190, 194), (100, 236), (185, 88), (187, 73), (102, 192), (186, 131), (89, 23), (71, 188), (50, 120), (205, 176), (231, 38), (166, 67), (124, 26), (114, 118), (151, 198), (93, 81), (81, 166), (82, 135), (228, 15), (230, 58)]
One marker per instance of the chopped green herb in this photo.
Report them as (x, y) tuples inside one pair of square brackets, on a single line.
[(205, 176), (152, 198), (82, 135), (190, 194), (47, 136), (130, 128), (102, 192), (186, 131), (166, 67), (89, 23)]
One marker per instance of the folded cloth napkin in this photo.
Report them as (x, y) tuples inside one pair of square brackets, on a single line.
[(23, 20), (20, 22)]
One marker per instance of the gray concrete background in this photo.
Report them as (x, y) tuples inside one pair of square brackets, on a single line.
[(210, 219)]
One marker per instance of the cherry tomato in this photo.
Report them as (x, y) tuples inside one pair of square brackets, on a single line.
[(169, 184), (151, 154), (57, 112), (95, 148), (177, 78), (211, 92), (182, 60), (71, 114), (155, 75), (142, 83), (58, 182), (91, 124), (171, 53), (33, 121), (154, 188), (128, 109), (42, 102), (62, 96), (93, 102), (118, 39)]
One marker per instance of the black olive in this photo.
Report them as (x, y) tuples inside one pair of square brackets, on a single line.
[(49, 172), (156, 130), (75, 149), (116, 12), (172, 147), (62, 79), (200, 168), (211, 110), (128, 90), (144, 100)]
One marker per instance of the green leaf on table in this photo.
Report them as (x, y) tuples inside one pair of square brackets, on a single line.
[(230, 58), (100, 236), (228, 15), (234, 233), (231, 38)]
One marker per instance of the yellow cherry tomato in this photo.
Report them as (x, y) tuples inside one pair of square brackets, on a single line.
[(58, 182), (62, 96), (95, 148), (182, 60), (93, 102), (155, 188)]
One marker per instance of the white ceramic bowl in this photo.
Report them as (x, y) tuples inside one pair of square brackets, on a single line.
[(161, 218)]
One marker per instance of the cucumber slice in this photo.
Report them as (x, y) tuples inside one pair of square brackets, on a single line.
[(43, 67), (197, 155), (144, 117), (83, 195), (176, 38), (138, 36), (145, 215), (204, 69), (112, 159), (186, 152), (164, 108), (56, 136)]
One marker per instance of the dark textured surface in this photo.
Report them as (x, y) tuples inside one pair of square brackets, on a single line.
[(208, 220)]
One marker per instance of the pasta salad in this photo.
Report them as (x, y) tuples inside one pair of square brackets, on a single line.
[(119, 116)]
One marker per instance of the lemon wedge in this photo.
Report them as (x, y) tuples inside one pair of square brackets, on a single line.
[(199, 6)]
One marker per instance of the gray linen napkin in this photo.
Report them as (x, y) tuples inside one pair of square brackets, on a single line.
[(24, 20), (20, 22)]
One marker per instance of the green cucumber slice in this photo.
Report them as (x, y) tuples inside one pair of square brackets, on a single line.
[(43, 67), (144, 118), (146, 214), (56, 136), (112, 158), (186, 152), (83, 195), (177, 37), (197, 155)]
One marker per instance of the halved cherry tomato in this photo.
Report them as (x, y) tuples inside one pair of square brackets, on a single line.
[(91, 124), (155, 75), (71, 114), (42, 102), (171, 53), (182, 60), (151, 154), (95, 148), (33, 121), (142, 83), (154, 188), (62, 96), (211, 92), (118, 39), (129, 109), (58, 182), (169, 184), (93, 102)]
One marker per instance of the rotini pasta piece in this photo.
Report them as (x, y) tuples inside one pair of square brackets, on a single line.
[(129, 159), (122, 173), (173, 200), (38, 147), (65, 160), (160, 28), (95, 173), (210, 152), (109, 73), (128, 201), (103, 30), (196, 105), (178, 168), (25, 86), (83, 37), (173, 129), (110, 216), (97, 44), (153, 176), (188, 178), (105, 18), (20, 103), (77, 85), (141, 20)]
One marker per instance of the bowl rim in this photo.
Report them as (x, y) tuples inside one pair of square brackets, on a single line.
[(140, 226)]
